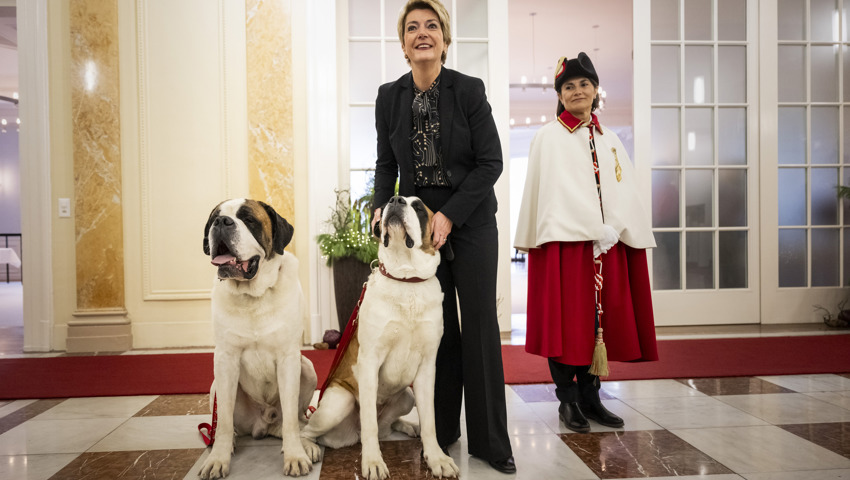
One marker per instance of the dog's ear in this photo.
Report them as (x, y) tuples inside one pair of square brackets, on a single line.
[(210, 220), (282, 231)]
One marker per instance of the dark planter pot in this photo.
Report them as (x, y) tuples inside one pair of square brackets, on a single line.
[(349, 276)]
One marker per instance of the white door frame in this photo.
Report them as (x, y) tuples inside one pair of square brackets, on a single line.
[(36, 187)]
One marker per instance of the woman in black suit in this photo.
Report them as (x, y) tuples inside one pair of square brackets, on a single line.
[(436, 135)]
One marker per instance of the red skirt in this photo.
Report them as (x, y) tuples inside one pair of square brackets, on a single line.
[(562, 308)]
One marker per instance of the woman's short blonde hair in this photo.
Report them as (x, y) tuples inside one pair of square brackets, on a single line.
[(437, 7)]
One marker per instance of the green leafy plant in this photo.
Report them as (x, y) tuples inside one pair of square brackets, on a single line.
[(844, 192), (350, 234)]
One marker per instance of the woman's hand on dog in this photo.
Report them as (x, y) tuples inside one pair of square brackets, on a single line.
[(441, 226)]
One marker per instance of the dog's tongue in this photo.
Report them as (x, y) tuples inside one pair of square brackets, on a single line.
[(223, 259)]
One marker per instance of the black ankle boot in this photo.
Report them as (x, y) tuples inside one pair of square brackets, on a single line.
[(590, 403), (601, 415), (573, 418)]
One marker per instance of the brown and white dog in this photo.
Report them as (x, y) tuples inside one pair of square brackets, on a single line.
[(399, 332), (262, 383)]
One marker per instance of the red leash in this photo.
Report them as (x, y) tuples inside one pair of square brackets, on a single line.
[(350, 330), (209, 437)]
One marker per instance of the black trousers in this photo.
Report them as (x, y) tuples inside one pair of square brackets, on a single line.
[(469, 361), (574, 383)]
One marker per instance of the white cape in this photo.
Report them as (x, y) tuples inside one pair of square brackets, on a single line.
[(560, 202)]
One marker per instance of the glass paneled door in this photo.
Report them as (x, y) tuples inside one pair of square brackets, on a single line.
[(805, 254), (699, 152)]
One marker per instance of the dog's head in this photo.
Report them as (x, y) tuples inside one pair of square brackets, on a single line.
[(406, 221), (242, 233)]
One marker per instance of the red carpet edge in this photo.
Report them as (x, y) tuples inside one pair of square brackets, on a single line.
[(186, 373)]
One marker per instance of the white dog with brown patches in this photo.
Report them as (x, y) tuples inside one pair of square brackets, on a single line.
[(400, 327), (262, 383)]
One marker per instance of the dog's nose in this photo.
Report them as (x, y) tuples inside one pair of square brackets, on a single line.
[(398, 199), (223, 221)]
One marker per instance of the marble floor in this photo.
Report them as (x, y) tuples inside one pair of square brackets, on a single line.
[(757, 428)]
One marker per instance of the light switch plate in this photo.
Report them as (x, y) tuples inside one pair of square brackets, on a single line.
[(65, 207)]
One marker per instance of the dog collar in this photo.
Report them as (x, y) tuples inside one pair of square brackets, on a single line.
[(409, 280)]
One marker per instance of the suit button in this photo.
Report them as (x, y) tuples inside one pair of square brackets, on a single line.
[(449, 173)]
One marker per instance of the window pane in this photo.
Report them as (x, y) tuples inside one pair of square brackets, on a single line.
[(665, 136), (699, 74), (471, 18), (844, 20), (846, 202), (361, 183), (732, 20), (665, 74), (363, 87), (396, 64), (665, 19), (698, 20), (363, 139), (699, 260), (792, 258), (825, 257), (846, 257), (791, 19), (666, 263), (391, 13), (792, 135), (825, 135), (699, 136), (732, 198), (824, 17), (824, 73), (732, 136), (732, 253), (732, 74), (472, 60), (364, 18), (699, 188), (824, 198), (792, 77), (665, 198), (846, 55), (846, 135), (792, 196)]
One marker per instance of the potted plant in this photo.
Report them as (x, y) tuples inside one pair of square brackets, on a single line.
[(349, 249)]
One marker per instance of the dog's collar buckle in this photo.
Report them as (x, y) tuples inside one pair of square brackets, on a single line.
[(408, 280)]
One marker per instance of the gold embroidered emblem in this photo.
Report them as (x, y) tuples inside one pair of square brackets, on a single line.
[(617, 169)]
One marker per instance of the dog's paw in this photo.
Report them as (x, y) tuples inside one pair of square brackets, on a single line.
[(296, 465), (408, 428), (215, 466), (375, 469), (314, 451), (442, 465)]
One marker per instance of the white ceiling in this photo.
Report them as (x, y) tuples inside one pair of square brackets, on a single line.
[(565, 28)]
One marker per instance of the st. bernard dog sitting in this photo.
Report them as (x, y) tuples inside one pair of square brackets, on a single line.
[(262, 383), (400, 327)]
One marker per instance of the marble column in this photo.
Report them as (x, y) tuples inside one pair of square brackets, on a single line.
[(100, 322), (269, 79)]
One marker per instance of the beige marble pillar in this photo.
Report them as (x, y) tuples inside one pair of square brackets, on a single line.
[(100, 322), (269, 79)]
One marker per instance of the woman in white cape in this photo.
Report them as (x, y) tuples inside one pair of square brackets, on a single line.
[(585, 231)]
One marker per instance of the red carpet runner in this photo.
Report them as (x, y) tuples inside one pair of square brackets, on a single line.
[(109, 375)]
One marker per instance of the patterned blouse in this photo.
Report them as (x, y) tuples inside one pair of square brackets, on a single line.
[(425, 138)]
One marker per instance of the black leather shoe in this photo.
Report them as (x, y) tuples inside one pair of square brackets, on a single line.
[(601, 415), (573, 418), (505, 466)]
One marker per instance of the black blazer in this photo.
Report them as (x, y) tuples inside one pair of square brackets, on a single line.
[(471, 151)]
